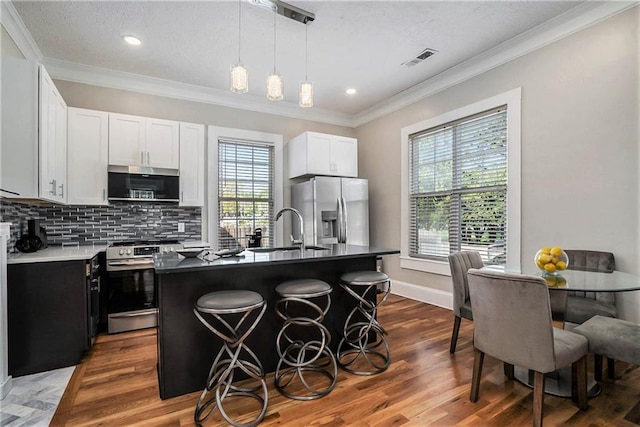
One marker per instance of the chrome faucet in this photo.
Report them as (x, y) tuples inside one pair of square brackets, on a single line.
[(300, 220)]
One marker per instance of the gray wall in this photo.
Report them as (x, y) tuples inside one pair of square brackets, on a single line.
[(580, 147)]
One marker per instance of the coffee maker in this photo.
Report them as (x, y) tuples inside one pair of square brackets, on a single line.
[(34, 229)]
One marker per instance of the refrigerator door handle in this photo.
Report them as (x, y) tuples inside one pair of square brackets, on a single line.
[(343, 221), (339, 228)]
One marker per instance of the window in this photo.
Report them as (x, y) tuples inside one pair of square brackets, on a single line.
[(245, 192), (244, 187), (457, 185)]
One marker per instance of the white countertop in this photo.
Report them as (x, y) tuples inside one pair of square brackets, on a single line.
[(57, 253)]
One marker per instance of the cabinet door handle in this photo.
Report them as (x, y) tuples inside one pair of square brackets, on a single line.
[(104, 194), (61, 190), (141, 158), (148, 159), (182, 196), (53, 187)]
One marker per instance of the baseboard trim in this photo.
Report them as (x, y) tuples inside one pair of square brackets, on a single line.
[(423, 294)]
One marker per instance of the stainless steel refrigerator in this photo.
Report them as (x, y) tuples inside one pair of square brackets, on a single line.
[(335, 210)]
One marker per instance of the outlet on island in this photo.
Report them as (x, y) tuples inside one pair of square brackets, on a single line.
[(181, 227)]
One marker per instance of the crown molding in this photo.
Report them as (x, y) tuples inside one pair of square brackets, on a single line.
[(574, 20), (14, 25), (79, 73)]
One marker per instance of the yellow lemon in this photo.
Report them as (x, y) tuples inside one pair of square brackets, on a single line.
[(544, 258), (561, 265), (554, 260), (556, 251), (551, 280), (540, 265), (549, 268), (545, 250), (561, 282)]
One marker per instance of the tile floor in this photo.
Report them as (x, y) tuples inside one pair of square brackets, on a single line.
[(33, 399)]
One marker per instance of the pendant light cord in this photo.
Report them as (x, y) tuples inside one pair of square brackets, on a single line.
[(275, 8), (306, 51), (239, 28)]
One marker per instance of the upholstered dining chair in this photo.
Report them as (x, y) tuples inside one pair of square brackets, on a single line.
[(460, 262), (582, 306), (512, 321)]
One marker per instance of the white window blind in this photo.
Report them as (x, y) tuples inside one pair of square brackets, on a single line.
[(458, 188), (245, 192)]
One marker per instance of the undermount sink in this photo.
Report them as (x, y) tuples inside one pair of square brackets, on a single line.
[(288, 248)]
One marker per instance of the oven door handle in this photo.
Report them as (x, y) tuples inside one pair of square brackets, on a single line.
[(135, 314), (129, 267)]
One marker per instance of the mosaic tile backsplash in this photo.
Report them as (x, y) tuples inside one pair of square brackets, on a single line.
[(92, 224)]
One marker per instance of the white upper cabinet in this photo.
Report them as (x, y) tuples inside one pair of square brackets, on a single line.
[(19, 158), (87, 145), (52, 141), (162, 145), (143, 141), (191, 164), (312, 153), (126, 140)]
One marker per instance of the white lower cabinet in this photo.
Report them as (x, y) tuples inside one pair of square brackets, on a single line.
[(191, 164), (88, 156)]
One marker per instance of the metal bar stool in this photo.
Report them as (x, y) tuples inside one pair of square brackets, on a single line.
[(363, 349), (245, 309), (303, 341)]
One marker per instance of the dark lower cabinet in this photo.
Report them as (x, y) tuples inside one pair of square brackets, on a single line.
[(47, 315)]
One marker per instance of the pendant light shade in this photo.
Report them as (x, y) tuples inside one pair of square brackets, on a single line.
[(305, 92), (275, 87), (305, 95), (239, 79), (239, 76)]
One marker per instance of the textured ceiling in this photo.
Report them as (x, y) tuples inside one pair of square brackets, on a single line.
[(356, 44)]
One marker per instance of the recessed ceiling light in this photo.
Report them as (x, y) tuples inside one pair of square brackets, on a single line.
[(134, 41), (350, 91)]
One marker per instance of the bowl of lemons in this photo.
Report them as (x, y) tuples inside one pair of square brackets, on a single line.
[(551, 260)]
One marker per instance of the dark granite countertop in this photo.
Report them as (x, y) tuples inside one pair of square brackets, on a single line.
[(172, 263)]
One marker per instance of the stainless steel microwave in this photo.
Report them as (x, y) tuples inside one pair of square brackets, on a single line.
[(143, 184)]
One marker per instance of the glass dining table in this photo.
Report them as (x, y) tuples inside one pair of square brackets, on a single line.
[(558, 383)]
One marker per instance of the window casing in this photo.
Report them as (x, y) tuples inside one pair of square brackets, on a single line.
[(458, 188), (454, 195), (245, 192), (238, 165)]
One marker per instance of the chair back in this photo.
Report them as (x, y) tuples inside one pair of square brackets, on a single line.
[(460, 263), (512, 318), (596, 260)]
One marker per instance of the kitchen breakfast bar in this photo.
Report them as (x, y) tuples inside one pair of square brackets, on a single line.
[(186, 348)]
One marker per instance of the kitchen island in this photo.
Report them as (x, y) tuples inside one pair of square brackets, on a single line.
[(186, 348)]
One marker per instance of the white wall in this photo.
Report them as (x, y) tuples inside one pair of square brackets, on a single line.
[(580, 149)]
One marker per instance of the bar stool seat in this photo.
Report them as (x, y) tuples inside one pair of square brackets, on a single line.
[(363, 349), (303, 341), (232, 315)]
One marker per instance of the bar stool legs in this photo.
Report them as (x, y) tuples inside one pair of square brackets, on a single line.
[(363, 349), (299, 355), (226, 308)]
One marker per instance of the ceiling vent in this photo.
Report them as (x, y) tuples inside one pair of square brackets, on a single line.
[(421, 57)]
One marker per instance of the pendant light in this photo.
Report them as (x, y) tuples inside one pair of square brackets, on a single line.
[(305, 94), (275, 89), (239, 77)]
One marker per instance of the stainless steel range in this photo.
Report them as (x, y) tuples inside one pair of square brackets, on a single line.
[(132, 301)]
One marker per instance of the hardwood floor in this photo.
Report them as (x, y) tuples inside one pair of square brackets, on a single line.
[(116, 385)]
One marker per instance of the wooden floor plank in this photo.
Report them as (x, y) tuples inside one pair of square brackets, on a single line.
[(116, 385)]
